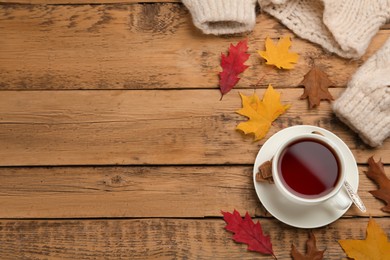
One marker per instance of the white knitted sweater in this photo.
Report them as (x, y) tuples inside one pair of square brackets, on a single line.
[(344, 27)]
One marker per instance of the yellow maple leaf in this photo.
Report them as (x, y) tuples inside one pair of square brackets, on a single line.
[(279, 55), (260, 114), (374, 247)]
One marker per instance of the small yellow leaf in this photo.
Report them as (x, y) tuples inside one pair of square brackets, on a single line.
[(271, 101), (279, 55), (375, 247), (260, 114)]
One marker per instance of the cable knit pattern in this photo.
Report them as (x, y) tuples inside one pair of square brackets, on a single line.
[(354, 23), (304, 17), (365, 104), (223, 16), (343, 27)]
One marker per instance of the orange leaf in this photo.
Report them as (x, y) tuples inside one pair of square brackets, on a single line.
[(376, 172), (375, 247), (260, 113), (316, 84)]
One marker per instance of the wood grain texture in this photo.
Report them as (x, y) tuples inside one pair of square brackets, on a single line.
[(147, 127), (152, 191), (162, 239), (83, 2), (116, 105), (134, 46)]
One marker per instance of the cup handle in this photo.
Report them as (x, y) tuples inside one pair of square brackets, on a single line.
[(342, 200)]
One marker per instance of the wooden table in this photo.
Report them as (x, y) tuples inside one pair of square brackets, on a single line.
[(114, 144)]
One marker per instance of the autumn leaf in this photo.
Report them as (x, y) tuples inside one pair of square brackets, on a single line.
[(376, 172), (232, 65), (260, 113), (279, 55), (375, 247), (316, 84), (247, 232), (312, 252)]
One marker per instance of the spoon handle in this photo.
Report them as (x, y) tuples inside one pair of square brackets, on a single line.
[(355, 197)]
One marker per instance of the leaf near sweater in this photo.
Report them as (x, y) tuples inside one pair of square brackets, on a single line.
[(279, 54), (375, 247), (312, 252), (260, 114), (316, 84), (233, 65), (376, 172), (247, 232)]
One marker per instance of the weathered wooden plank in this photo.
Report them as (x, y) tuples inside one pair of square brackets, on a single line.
[(83, 2), (125, 192), (146, 127), (162, 239), (137, 46), (153, 191)]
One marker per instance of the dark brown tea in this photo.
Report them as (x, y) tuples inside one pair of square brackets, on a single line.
[(309, 168)]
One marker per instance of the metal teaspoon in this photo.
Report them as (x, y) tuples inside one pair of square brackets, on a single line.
[(354, 197)]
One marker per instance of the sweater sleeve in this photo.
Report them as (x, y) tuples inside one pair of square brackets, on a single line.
[(342, 27), (222, 16), (365, 104)]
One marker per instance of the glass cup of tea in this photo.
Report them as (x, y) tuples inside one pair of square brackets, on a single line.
[(309, 169)]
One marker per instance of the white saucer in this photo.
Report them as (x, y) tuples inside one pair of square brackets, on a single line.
[(296, 215)]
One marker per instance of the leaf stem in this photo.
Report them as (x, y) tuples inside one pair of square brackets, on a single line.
[(258, 82)]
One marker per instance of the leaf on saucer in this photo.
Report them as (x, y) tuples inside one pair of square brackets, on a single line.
[(376, 172), (312, 253), (246, 231), (375, 247)]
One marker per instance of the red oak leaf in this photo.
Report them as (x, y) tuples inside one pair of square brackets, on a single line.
[(232, 65), (246, 231)]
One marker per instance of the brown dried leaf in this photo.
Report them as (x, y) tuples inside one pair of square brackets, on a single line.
[(265, 172), (376, 172), (316, 84), (312, 252)]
